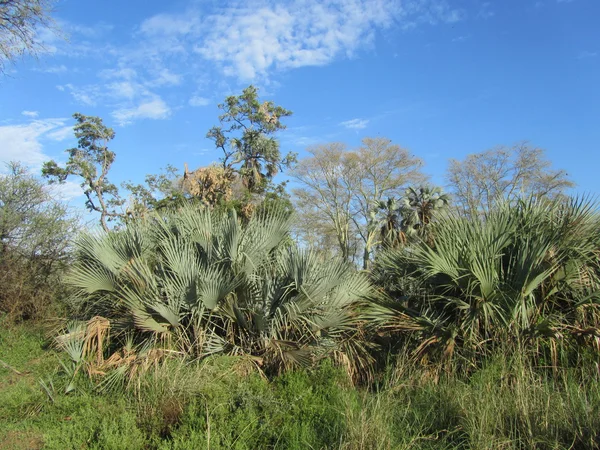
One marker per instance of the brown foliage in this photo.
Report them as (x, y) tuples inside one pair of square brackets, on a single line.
[(210, 184)]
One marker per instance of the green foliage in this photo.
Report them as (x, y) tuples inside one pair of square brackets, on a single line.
[(246, 139), (207, 284), (408, 218), (90, 161), (224, 403), (34, 236), (160, 191), (525, 273)]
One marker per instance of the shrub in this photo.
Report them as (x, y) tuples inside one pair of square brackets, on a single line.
[(202, 283), (34, 236)]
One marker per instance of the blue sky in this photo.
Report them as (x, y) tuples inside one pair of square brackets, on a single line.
[(443, 78)]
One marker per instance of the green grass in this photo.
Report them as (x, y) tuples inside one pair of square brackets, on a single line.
[(224, 403)]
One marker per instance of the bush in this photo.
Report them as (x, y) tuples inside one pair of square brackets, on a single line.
[(204, 283), (35, 231), (526, 273)]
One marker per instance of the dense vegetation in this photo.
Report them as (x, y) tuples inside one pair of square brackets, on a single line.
[(365, 310)]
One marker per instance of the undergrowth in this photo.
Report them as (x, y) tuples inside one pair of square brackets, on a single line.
[(225, 403)]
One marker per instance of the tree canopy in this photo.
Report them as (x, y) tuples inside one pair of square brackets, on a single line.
[(246, 138), (20, 23), (481, 180), (91, 162)]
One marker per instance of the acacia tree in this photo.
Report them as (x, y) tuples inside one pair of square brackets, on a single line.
[(246, 138), (347, 187), (20, 22), (503, 173), (328, 184), (90, 161), (382, 169)]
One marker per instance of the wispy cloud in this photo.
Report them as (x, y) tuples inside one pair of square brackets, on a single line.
[(131, 97), (150, 109), (86, 95), (198, 100), (32, 114), (61, 134), (53, 69), (249, 41), (23, 142), (169, 24), (166, 78), (355, 124), (486, 11)]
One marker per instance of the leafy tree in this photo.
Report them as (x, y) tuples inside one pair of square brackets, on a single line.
[(35, 231), (91, 161), (503, 173), (20, 22), (381, 169), (158, 191), (246, 138)]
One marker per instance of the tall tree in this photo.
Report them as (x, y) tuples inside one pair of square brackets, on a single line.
[(347, 187), (382, 169), (246, 138), (91, 161), (20, 22), (328, 184), (482, 179)]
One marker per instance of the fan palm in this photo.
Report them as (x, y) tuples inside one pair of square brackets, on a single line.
[(201, 280), (524, 271), (420, 206)]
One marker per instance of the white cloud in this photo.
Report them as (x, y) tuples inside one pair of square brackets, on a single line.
[(83, 94), (126, 73), (166, 78), (245, 40), (66, 191), (61, 134), (32, 114), (248, 41), (23, 142), (149, 109), (98, 30), (355, 124), (197, 100), (123, 89), (485, 11), (162, 24)]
